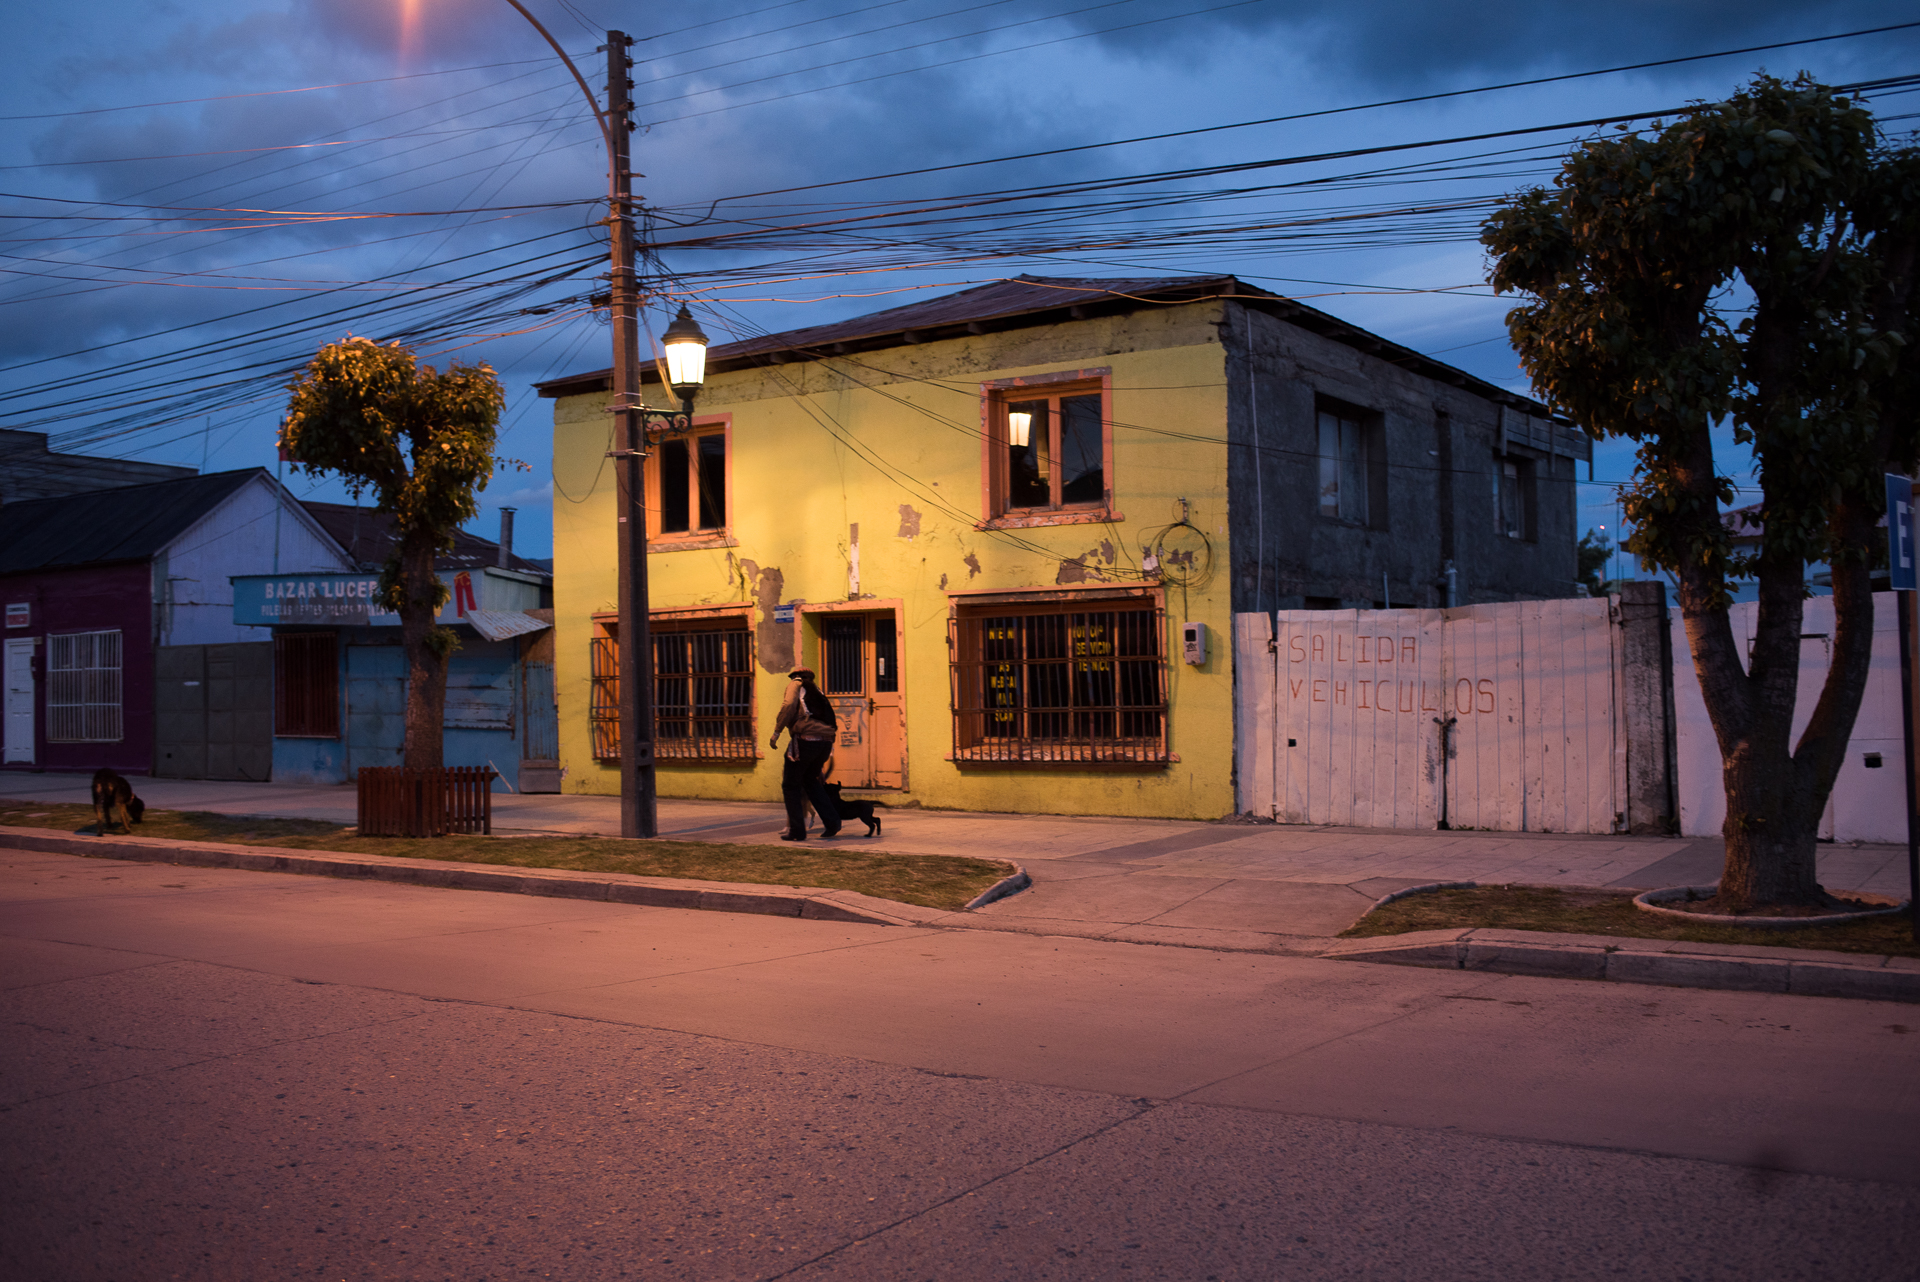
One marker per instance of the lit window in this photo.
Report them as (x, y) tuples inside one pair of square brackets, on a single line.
[(1050, 447), (1060, 684)]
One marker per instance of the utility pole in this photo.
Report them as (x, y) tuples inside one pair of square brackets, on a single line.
[(638, 817)]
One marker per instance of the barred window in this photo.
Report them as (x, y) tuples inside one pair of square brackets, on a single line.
[(1060, 684), (83, 688), (603, 708), (702, 692), (306, 685)]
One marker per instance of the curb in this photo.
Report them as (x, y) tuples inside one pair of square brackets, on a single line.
[(1756, 969), (1650, 901), (811, 903), (1012, 884)]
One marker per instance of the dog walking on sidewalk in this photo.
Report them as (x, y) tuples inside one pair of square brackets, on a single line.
[(111, 793)]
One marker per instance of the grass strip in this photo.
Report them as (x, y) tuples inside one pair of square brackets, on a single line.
[(931, 881), (1608, 912)]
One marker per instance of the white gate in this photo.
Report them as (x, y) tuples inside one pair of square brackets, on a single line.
[(1343, 715)]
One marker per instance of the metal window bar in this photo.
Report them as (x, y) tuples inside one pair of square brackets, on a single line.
[(306, 685), (1074, 686), (703, 696), (83, 688), (603, 708)]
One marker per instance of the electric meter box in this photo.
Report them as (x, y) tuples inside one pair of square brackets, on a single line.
[(1193, 643)]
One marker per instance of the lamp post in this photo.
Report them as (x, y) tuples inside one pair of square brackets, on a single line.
[(686, 371), (686, 362)]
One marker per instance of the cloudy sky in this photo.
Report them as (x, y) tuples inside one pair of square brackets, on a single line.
[(198, 194)]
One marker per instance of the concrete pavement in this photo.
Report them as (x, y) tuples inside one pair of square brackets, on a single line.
[(1211, 885), (209, 1074)]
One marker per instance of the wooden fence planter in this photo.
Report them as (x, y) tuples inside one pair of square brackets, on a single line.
[(398, 802)]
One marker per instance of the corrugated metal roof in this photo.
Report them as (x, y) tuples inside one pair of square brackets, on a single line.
[(101, 527), (498, 625), (1040, 300), (1023, 296), (367, 535)]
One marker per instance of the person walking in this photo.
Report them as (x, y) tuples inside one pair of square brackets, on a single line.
[(807, 716)]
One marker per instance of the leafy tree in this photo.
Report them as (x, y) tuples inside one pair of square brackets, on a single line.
[(1751, 261), (422, 442), (1593, 551)]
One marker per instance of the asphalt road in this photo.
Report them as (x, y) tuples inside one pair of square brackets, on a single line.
[(219, 1074)]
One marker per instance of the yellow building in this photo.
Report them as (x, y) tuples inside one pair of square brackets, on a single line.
[(998, 526)]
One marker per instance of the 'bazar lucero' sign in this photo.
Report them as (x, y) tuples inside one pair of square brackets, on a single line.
[(344, 600), (1370, 684)]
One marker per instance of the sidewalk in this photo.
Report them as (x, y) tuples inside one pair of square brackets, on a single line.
[(1220, 885)]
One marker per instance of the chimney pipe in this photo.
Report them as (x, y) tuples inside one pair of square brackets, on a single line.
[(506, 538)]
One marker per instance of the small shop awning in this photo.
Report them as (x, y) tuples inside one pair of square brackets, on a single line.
[(498, 625)]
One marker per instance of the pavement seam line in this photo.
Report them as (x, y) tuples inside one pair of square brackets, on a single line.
[(1138, 1113), (1493, 977)]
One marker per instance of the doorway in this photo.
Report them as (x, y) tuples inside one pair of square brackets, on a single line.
[(860, 674), (19, 700)]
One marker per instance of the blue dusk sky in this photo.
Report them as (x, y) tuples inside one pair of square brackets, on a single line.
[(198, 194)]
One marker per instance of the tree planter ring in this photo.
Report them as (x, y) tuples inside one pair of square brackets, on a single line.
[(1650, 901)]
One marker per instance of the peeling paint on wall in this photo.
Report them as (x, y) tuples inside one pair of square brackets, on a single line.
[(1074, 571), (943, 583), (909, 521), (774, 641), (972, 563)]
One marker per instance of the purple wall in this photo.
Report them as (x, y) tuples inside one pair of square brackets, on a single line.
[(92, 600)]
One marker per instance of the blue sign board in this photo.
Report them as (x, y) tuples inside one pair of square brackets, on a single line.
[(786, 613), (1900, 532), (342, 599)]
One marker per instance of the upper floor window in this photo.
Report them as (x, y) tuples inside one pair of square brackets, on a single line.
[(687, 478), (1050, 450), (1513, 496), (1353, 467)]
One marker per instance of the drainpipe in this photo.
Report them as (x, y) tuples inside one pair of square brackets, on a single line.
[(1446, 746), (1452, 576)]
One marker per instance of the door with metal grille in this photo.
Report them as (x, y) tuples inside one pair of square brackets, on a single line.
[(860, 673)]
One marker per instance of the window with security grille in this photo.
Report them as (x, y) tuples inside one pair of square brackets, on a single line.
[(1060, 684), (83, 688), (702, 691), (306, 685)]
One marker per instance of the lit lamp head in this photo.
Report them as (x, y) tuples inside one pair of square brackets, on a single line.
[(686, 346), (1019, 428)]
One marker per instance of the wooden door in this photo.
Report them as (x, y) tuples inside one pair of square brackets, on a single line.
[(860, 673)]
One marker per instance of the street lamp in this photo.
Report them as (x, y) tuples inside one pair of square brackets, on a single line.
[(686, 357)]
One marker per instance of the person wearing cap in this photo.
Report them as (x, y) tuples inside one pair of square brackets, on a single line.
[(807, 716)]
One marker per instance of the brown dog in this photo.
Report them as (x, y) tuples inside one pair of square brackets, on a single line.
[(111, 793)]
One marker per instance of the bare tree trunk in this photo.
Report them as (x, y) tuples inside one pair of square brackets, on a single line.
[(426, 662)]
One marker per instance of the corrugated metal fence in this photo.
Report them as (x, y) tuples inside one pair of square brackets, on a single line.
[(1502, 717)]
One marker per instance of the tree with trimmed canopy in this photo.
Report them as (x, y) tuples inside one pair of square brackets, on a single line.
[(422, 442), (1751, 263)]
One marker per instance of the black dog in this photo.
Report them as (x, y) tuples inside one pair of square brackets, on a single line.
[(861, 810), (110, 793)]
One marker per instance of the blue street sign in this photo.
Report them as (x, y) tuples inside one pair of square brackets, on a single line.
[(1900, 533)]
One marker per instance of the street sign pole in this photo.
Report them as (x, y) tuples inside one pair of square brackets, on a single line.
[(1904, 580)]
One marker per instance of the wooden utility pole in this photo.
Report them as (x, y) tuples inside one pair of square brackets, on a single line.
[(638, 815)]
